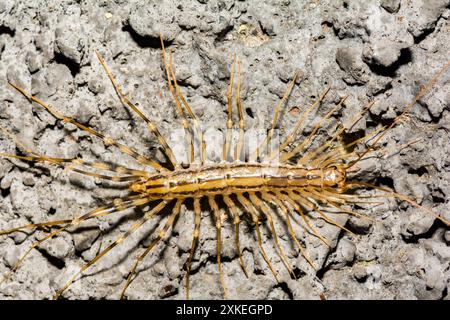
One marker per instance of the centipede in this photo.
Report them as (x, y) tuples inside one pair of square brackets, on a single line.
[(270, 188)]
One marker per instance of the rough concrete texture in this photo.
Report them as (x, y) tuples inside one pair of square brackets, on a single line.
[(382, 50)]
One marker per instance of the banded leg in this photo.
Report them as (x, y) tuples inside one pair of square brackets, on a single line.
[(251, 209), (106, 139), (150, 214), (69, 164), (150, 124), (278, 203), (226, 145), (240, 146), (287, 155), (308, 203), (216, 211), (302, 214), (236, 221), (265, 144), (293, 134), (116, 206), (265, 209), (198, 216), (181, 114), (191, 114), (318, 155), (169, 223)]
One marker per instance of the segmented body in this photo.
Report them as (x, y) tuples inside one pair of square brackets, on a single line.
[(315, 181), (232, 178)]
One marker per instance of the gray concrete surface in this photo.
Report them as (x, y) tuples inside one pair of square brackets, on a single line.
[(382, 50)]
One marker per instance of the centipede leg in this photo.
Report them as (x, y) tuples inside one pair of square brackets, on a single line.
[(240, 146), (251, 209), (215, 208), (181, 113), (276, 201), (106, 139), (169, 222), (226, 145), (265, 144), (150, 124), (198, 215), (265, 209), (236, 221), (150, 214), (116, 206)]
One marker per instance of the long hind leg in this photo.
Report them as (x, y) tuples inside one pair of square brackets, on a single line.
[(115, 206), (106, 139), (169, 222), (251, 209), (196, 235), (302, 214), (218, 221), (118, 241), (150, 124)]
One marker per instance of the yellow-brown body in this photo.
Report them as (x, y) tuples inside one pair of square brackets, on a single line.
[(237, 177)]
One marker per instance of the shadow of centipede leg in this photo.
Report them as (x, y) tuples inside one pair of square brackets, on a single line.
[(196, 235)]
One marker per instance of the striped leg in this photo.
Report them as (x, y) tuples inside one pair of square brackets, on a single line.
[(116, 206), (236, 221), (265, 144), (169, 222), (198, 216), (251, 209), (240, 146), (67, 162), (106, 139), (191, 114), (118, 241), (293, 134), (307, 203), (150, 124), (226, 145), (279, 204), (302, 214), (265, 209), (181, 113), (216, 211), (287, 155)]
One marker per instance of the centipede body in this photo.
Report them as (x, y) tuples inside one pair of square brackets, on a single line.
[(246, 188)]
